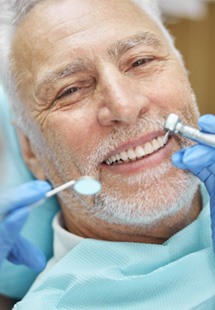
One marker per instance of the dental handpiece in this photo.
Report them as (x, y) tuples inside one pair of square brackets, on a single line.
[(174, 125)]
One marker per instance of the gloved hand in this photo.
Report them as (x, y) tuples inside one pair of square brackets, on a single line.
[(13, 246), (200, 160)]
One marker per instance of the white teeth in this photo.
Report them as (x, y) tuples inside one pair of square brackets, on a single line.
[(160, 141), (118, 157), (131, 154), (108, 162), (165, 139), (123, 155), (139, 152), (155, 144), (113, 158), (148, 148)]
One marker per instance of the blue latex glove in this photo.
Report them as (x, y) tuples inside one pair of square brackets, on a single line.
[(200, 160), (13, 246)]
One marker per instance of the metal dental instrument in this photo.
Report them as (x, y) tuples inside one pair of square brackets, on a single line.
[(174, 125), (85, 185)]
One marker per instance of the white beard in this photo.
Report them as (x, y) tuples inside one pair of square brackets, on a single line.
[(149, 205), (153, 196)]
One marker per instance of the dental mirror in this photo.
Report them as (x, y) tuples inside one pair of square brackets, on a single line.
[(87, 186)]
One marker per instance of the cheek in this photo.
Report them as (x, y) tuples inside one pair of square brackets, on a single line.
[(71, 132), (172, 93)]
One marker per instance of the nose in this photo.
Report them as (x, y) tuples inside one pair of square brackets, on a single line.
[(122, 99)]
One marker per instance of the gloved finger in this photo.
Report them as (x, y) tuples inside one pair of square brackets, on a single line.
[(194, 158), (25, 253), (9, 230), (177, 159), (208, 177), (207, 123), (25, 194)]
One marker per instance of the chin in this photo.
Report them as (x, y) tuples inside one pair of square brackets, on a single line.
[(147, 199)]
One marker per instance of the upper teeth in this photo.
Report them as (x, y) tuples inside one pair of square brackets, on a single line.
[(138, 152)]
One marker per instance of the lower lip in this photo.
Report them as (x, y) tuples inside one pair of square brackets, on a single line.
[(134, 167)]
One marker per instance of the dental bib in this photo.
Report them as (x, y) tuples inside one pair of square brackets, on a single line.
[(179, 274)]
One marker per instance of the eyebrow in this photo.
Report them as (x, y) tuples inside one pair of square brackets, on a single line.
[(82, 64), (144, 38), (79, 65)]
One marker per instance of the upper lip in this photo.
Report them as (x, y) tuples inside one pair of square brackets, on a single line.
[(135, 142)]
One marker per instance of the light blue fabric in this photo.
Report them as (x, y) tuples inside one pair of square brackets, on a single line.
[(178, 275), (16, 280)]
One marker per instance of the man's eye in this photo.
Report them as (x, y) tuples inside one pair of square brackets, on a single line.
[(142, 61), (69, 91)]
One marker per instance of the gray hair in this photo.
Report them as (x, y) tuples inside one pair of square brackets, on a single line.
[(12, 12)]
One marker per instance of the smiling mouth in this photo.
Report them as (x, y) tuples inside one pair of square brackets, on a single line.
[(139, 152)]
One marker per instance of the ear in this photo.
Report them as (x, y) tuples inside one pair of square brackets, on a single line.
[(29, 156)]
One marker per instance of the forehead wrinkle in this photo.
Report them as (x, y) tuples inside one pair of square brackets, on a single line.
[(83, 64), (76, 66), (121, 46)]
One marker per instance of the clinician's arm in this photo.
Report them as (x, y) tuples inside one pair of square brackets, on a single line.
[(200, 160), (13, 246)]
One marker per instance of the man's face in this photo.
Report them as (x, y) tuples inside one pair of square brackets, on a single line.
[(99, 79)]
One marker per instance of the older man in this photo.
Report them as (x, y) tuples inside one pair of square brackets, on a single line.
[(91, 84)]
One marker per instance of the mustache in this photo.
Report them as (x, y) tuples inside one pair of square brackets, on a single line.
[(122, 133)]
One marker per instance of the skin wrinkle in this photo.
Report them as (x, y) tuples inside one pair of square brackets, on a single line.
[(81, 65), (9, 13), (78, 66), (75, 135)]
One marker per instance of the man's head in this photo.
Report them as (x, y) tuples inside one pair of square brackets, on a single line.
[(96, 80)]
